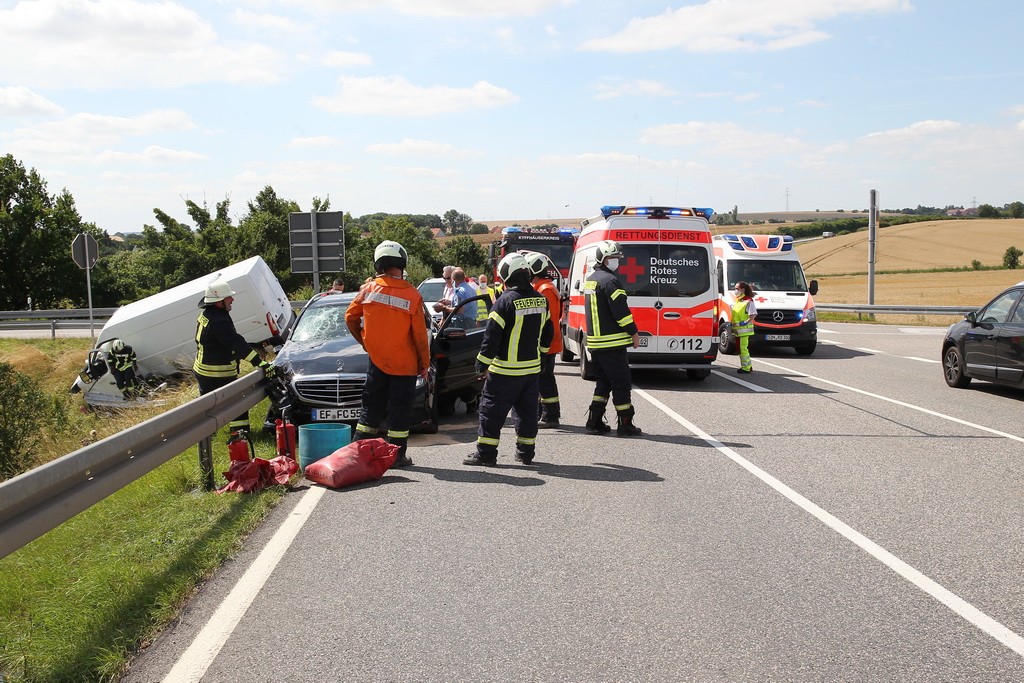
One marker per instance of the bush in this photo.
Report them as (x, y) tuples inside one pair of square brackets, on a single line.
[(976, 264), (26, 410), (1011, 258)]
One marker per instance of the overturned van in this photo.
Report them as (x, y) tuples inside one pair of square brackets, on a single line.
[(667, 271), (784, 298), (161, 329)]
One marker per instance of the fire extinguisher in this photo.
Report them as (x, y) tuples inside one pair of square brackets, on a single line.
[(285, 438), (239, 447)]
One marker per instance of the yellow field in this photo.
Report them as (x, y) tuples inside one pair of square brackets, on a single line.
[(915, 246)]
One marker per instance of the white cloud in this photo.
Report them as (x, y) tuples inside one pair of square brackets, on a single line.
[(737, 25), (814, 104), (152, 153), (915, 130), (83, 137), (19, 101), (1015, 110), (395, 96), (641, 87), (420, 172), (272, 22), (123, 43), (409, 146), (446, 8), (343, 60), (722, 138)]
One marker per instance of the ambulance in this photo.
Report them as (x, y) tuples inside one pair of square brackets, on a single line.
[(784, 298), (667, 271)]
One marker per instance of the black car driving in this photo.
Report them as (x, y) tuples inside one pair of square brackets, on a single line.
[(325, 367), (987, 343)]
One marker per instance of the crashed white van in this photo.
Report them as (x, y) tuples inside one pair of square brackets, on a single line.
[(161, 329)]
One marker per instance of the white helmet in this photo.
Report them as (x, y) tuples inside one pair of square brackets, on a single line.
[(117, 346), (389, 254), (607, 249), (511, 264), (539, 263), (217, 290)]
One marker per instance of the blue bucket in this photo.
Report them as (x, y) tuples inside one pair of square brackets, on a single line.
[(320, 439)]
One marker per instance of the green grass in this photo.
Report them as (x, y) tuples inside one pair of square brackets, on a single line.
[(77, 602)]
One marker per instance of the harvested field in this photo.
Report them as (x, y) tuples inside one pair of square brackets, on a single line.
[(916, 246)]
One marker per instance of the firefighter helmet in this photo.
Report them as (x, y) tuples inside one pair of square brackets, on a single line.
[(217, 290), (539, 263), (389, 254), (511, 266), (117, 346), (607, 249)]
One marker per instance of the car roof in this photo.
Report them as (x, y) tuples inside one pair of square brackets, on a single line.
[(430, 281), (331, 299)]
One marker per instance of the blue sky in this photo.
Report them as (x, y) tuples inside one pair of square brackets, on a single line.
[(514, 109)]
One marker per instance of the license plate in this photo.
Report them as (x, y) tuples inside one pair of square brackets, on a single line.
[(643, 342), (336, 414), (776, 337)]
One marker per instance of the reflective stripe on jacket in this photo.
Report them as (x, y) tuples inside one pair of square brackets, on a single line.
[(219, 347), (742, 323), (388, 319), (609, 320), (518, 333)]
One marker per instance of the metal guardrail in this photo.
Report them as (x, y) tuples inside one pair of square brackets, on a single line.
[(41, 499), (906, 310)]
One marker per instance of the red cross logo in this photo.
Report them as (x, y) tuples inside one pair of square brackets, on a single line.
[(760, 299), (631, 269)]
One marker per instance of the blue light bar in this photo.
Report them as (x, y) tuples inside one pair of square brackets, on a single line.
[(749, 241), (510, 230), (610, 210), (707, 213), (568, 231), (773, 242)]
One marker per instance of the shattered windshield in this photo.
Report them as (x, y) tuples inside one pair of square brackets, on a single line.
[(322, 323)]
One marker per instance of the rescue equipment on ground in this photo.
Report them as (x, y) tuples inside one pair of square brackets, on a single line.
[(240, 447), (357, 463)]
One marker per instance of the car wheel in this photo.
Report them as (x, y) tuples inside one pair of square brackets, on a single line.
[(698, 375), (953, 368), (726, 344), (806, 349), (586, 368)]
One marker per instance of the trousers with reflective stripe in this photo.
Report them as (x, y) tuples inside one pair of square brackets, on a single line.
[(501, 394)]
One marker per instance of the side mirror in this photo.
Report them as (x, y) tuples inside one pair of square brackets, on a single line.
[(972, 317), (813, 289)]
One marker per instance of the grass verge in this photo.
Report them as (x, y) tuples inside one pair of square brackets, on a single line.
[(76, 603)]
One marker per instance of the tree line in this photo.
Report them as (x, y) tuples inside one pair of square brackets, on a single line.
[(37, 228)]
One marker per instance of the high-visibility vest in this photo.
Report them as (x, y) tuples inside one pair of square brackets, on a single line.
[(742, 325)]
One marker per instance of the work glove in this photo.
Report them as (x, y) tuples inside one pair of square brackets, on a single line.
[(267, 368)]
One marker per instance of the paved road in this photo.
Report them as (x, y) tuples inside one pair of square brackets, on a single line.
[(839, 517)]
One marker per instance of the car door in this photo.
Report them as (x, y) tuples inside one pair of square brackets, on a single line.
[(455, 348), (981, 348), (1009, 346)]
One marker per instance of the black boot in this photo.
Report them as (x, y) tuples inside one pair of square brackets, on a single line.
[(401, 460), (548, 419), (595, 421), (626, 426)]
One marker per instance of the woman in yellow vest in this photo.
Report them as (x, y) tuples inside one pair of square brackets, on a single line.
[(743, 313)]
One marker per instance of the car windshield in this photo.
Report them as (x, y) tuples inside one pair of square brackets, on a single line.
[(321, 323), (431, 291), (775, 276)]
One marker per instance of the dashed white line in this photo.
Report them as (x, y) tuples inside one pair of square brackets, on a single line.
[(737, 380), (871, 351), (923, 360), (958, 605)]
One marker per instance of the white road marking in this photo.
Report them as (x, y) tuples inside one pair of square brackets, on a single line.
[(923, 360), (208, 642), (933, 413), (871, 351), (829, 341), (958, 605), (737, 380)]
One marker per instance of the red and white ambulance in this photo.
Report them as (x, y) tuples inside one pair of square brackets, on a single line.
[(784, 298), (667, 271)]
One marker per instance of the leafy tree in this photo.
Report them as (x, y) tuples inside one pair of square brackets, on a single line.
[(988, 211), (36, 231), (456, 223), (417, 242), (26, 410), (463, 252), (1011, 257), (1015, 210)]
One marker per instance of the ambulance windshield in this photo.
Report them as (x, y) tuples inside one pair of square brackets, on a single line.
[(665, 270), (768, 276)]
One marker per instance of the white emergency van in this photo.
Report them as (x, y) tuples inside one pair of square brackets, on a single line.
[(667, 271), (784, 298)]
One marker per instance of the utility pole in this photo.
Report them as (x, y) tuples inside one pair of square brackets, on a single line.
[(787, 199)]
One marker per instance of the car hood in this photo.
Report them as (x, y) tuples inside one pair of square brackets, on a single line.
[(323, 357)]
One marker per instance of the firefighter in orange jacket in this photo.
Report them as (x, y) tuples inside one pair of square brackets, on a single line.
[(394, 334), (541, 268)]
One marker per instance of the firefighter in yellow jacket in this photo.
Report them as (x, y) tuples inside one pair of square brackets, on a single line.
[(220, 348), (387, 318)]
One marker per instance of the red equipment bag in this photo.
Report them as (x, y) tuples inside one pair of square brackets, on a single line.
[(356, 463), (249, 476)]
